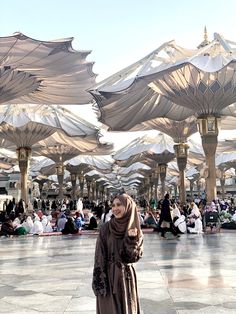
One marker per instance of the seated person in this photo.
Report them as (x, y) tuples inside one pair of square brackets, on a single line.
[(47, 227), (7, 228), (229, 221), (37, 226), (141, 220), (180, 224), (17, 221), (70, 227), (20, 230), (106, 216), (175, 212), (61, 221), (194, 223), (79, 220), (150, 220), (28, 223), (92, 223), (234, 217)]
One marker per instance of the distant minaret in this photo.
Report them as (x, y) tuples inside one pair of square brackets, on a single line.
[(205, 41)]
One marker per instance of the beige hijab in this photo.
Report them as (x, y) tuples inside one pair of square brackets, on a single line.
[(120, 227)]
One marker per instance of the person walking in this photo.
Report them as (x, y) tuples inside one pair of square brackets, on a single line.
[(119, 244), (165, 222)]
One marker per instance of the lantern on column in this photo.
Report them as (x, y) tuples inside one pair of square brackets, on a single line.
[(60, 169), (181, 150), (208, 126)]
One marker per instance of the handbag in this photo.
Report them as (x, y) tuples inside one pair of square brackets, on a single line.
[(165, 224)]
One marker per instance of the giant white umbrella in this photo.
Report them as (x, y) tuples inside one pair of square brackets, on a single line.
[(224, 162), (7, 159), (37, 71), (26, 125), (179, 131), (176, 83), (80, 165), (158, 149), (60, 153)]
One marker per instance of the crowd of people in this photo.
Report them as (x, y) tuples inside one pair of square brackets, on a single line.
[(45, 216), (71, 217), (169, 217)]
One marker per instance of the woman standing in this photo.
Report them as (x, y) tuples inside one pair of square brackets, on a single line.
[(119, 244), (165, 222)]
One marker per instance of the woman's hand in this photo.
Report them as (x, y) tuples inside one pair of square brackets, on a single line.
[(133, 232)]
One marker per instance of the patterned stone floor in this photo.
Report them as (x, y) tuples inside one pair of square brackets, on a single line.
[(191, 275)]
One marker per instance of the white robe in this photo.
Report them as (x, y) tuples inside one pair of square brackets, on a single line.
[(197, 228), (28, 224), (37, 226), (47, 227)]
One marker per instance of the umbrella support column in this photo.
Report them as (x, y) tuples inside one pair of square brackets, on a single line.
[(182, 188), (81, 185), (24, 154), (97, 191), (191, 188), (199, 188), (60, 178), (208, 128), (102, 193), (156, 187), (162, 172), (209, 145), (222, 182), (73, 183), (93, 190), (181, 152), (88, 182)]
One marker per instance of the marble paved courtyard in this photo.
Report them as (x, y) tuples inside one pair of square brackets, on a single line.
[(194, 274)]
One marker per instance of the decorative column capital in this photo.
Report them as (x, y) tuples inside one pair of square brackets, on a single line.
[(162, 171), (60, 169), (73, 176), (181, 150), (24, 155), (208, 126), (181, 153)]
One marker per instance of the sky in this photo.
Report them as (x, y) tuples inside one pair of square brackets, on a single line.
[(118, 33)]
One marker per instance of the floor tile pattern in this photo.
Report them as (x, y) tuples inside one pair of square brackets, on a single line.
[(195, 274)]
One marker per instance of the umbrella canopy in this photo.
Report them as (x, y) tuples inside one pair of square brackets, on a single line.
[(158, 148), (60, 147), (192, 172), (171, 82), (37, 71), (101, 163), (178, 130), (25, 125), (226, 158), (79, 163), (133, 168)]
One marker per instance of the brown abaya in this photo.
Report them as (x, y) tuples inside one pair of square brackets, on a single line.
[(114, 278)]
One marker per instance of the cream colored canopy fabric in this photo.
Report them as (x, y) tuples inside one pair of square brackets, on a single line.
[(133, 168), (60, 147), (26, 125), (101, 163), (171, 82), (153, 150), (120, 176), (225, 158), (37, 71), (179, 131), (158, 148)]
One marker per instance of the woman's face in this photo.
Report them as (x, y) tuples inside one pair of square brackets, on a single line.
[(118, 209)]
